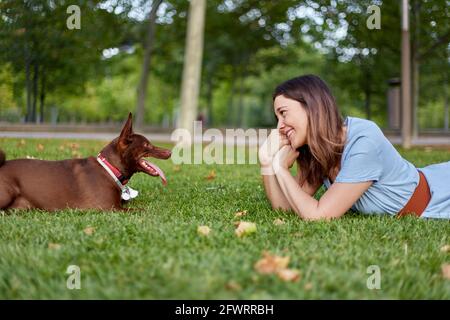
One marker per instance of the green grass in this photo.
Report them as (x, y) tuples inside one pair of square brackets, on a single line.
[(156, 253)]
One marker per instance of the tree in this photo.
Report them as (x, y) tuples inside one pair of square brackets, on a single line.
[(431, 35), (143, 83), (36, 41), (192, 64)]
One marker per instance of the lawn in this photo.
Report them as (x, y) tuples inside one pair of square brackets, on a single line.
[(156, 252)]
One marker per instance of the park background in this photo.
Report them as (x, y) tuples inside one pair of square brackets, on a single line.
[(124, 50)]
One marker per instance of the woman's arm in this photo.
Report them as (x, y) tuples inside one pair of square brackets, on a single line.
[(308, 188), (336, 201), (266, 153), (274, 193)]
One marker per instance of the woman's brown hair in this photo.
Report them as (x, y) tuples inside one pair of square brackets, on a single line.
[(322, 155)]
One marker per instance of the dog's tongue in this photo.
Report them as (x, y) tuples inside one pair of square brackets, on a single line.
[(152, 168)]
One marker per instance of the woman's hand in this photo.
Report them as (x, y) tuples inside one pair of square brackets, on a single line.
[(270, 147), (284, 158)]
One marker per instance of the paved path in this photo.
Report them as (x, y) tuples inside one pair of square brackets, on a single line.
[(166, 138)]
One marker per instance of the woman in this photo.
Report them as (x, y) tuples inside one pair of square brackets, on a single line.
[(358, 165)]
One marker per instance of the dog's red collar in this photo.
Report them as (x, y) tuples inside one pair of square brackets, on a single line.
[(119, 175)]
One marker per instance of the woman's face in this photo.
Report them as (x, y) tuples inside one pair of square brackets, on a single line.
[(292, 120)]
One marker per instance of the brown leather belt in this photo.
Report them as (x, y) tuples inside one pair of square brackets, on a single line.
[(419, 199)]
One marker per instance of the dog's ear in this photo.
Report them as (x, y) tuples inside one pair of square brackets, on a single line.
[(127, 131)]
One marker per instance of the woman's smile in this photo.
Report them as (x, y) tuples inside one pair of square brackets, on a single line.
[(292, 120), (289, 133)]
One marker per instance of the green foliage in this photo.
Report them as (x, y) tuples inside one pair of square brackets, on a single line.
[(34, 35), (6, 88), (431, 116), (249, 48)]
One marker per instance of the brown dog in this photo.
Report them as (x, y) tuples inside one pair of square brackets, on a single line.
[(90, 183)]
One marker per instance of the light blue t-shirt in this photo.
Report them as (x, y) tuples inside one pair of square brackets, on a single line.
[(369, 156)]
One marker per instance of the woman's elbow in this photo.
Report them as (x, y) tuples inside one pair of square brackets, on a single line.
[(315, 216), (281, 206)]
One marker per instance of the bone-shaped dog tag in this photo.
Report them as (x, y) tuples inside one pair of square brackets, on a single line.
[(125, 195), (133, 193), (129, 193)]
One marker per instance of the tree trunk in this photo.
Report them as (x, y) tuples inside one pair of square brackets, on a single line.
[(367, 86), (236, 106), (415, 95), (415, 70), (367, 102), (446, 111), (406, 78), (209, 98), (28, 86), (230, 106), (35, 90), (143, 83), (190, 86), (240, 110), (42, 96)]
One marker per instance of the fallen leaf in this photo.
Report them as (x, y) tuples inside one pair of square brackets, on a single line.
[(271, 263), (21, 143), (289, 275), (308, 286), (76, 154), (54, 246), (61, 148), (89, 230), (203, 230), (176, 168), (233, 285), (446, 271), (212, 175), (278, 222), (245, 228), (30, 157), (395, 262), (40, 147), (240, 213), (74, 146), (445, 248)]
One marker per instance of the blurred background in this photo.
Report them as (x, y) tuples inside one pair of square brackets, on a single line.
[(51, 74)]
